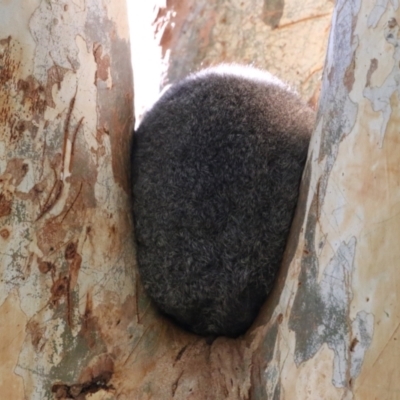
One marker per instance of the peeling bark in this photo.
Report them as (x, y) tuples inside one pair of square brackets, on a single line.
[(66, 241)]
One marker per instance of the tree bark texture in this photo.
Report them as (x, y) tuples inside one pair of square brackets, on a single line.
[(66, 255), (173, 38), (338, 313)]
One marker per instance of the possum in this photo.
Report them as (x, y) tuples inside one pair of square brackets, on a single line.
[(216, 168)]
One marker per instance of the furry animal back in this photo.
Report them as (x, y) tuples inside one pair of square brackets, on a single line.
[(217, 163)]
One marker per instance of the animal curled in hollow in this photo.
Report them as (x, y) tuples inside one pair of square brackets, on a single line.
[(216, 166)]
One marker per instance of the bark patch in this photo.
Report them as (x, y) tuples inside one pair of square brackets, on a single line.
[(59, 290), (272, 12), (94, 378), (5, 206)]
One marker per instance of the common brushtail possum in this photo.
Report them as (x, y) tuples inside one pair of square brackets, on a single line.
[(216, 167)]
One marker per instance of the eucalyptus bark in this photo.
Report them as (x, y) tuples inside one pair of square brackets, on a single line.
[(67, 287), (174, 38), (329, 330)]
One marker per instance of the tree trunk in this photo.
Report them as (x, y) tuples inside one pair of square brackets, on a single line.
[(171, 40), (67, 302)]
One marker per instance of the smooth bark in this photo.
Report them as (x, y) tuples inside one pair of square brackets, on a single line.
[(66, 256)]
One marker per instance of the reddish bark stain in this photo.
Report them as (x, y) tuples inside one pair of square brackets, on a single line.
[(16, 129), (36, 333), (392, 23), (14, 93), (60, 391), (74, 269), (94, 377), (55, 76), (5, 206), (353, 344), (59, 290), (17, 168), (180, 353), (45, 267), (89, 322), (36, 191), (33, 95), (5, 234), (166, 36), (100, 369), (373, 66), (56, 161), (8, 64), (103, 62), (70, 251)]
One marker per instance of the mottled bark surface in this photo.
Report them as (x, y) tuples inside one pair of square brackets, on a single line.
[(171, 39), (66, 254)]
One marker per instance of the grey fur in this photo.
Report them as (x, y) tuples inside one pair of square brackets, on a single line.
[(216, 167)]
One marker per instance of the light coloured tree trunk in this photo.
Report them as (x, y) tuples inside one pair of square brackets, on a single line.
[(338, 338), (67, 302)]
